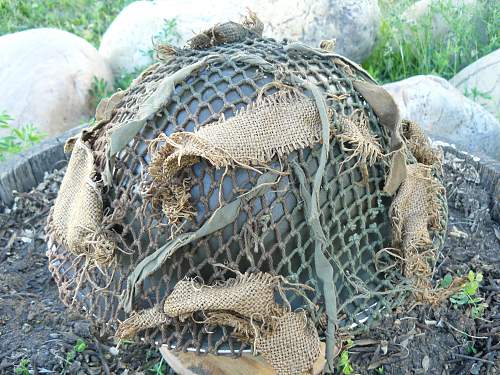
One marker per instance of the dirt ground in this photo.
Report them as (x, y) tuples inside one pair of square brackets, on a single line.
[(36, 327), (34, 324)]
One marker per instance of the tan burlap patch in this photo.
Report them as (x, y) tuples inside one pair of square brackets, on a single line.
[(248, 294), (416, 207), (415, 210), (275, 125), (357, 139), (287, 340), (137, 322), (292, 346), (76, 219), (419, 145)]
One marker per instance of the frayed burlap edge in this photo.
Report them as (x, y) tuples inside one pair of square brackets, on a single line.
[(419, 145), (415, 211), (76, 218), (138, 321), (270, 126), (355, 131), (287, 340), (249, 295)]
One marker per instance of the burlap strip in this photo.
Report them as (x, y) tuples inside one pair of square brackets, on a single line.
[(77, 215)]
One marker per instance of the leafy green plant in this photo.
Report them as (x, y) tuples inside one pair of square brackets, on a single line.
[(154, 357), (344, 361), (159, 368), (474, 93), (471, 349), (380, 370), (22, 368), (79, 347), (446, 282), (168, 35), (99, 90), (17, 139), (407, 48), (125, 79), (468, 295)]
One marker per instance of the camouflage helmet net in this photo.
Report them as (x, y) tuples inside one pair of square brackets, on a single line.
[(244, 192)]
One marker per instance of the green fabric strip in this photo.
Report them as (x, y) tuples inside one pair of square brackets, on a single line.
[(397, 171), (323, 267), (122, 134), (299, 47), (220, 218), (253, 60), (387, 111)]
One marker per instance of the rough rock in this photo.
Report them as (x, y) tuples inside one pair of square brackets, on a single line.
[(129, 39), (46, 77), (481, 81), (447, 115), (422, 8), (354, 24)]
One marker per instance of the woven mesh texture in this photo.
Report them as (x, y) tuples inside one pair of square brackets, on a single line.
[(277, 125), (415, 207), (247, 295), (419, 145), (292, 346), (79, 196), (270, 233), (268, 127)]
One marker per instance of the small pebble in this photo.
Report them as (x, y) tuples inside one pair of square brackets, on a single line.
[(114, 351), (457, 233), (426, 363), (31, 315), (26, 328)]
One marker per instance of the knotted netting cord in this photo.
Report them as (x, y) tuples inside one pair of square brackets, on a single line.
[(271, 233)]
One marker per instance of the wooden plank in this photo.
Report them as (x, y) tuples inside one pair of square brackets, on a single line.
[(188, 363)]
